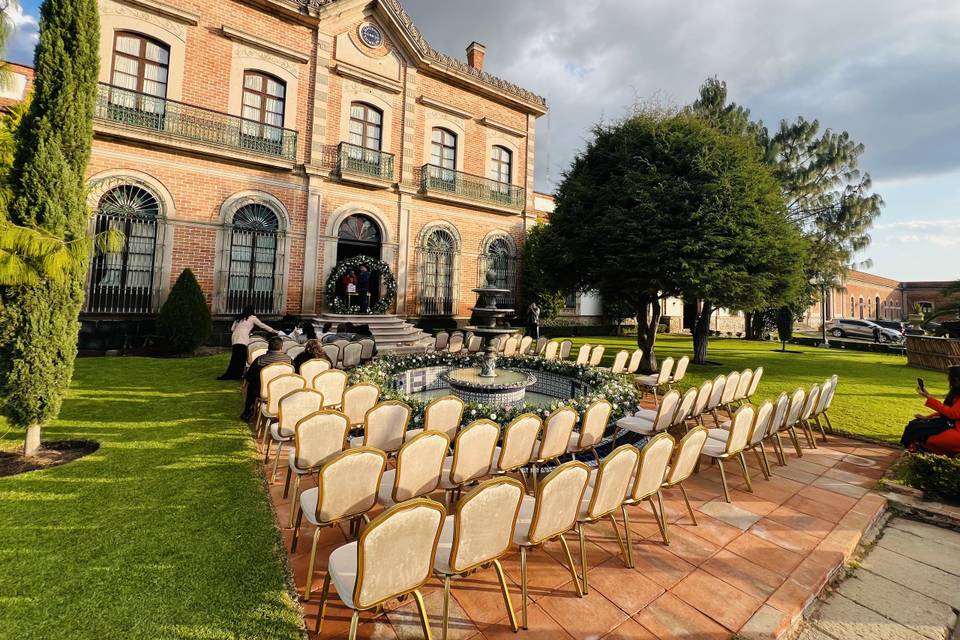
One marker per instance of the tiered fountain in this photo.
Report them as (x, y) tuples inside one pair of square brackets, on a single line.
[(485, 383)]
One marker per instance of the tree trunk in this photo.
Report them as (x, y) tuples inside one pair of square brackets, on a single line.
[(648, 318), (748, 325), (701, 333), (31, 443)]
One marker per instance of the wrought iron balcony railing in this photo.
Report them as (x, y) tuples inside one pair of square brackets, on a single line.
[(356, 160), (434, 179), (190, 122)]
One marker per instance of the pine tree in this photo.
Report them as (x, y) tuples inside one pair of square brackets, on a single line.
[(38, 322), (184, 322)]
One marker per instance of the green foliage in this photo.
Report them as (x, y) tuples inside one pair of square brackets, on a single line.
[(538, 283), (935, 474), (184, 322), (39, 321), (785, 320)]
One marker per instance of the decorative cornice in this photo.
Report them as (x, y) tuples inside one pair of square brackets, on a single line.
[(354, 73), (264, 45), (164, 10), (499, 126), (441, 106)]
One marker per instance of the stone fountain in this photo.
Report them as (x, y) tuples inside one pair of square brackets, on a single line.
[(485, 383)]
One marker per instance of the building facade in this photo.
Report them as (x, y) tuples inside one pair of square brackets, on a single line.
[(260, 142), (865, 296)]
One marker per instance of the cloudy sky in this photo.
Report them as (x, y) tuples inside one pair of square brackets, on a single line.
[(887, 71)]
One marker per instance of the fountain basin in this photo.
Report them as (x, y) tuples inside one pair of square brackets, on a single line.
[(505, 389)]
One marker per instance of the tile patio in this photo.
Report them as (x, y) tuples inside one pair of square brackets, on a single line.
[(750, 567)]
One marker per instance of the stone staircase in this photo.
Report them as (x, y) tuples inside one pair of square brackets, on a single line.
[(393, 334)]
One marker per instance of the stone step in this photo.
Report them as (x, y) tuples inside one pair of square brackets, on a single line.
[(393, 334)]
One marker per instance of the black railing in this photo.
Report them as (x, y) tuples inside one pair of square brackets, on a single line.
[(464, 185), (356, 160), (189, 122)]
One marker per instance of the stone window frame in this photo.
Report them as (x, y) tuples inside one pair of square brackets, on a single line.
[(425, 232), (351, 93), (455, 126), (495, 139), (246, 60)]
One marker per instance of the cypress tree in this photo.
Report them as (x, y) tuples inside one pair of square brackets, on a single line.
[(184, 321), (38, 323)]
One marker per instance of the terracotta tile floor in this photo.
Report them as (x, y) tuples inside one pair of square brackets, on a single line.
[(750, 566)]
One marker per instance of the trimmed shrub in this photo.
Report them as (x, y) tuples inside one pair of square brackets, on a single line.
[(184, 322), (934, 474)]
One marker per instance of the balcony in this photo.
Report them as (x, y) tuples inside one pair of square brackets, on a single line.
[(447, 184), (170, 119), (358, 164)]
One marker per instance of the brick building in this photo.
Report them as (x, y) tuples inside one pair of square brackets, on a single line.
[(260, 142)]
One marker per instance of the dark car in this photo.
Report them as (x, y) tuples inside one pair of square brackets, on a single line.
[(896, 325)]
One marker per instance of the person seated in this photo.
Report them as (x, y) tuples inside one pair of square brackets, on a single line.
[(939, 432), (312, 350), (274, 355)]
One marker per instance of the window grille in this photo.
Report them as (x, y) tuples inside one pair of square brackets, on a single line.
[(438, 265)]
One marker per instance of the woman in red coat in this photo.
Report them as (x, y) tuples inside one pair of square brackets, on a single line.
[(946, 442)]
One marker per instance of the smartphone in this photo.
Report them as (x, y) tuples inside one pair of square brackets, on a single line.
[(920, 384)]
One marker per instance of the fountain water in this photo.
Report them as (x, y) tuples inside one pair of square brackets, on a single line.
[(485, 383)]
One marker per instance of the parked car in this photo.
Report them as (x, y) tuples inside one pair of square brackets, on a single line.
[(843, 328), (896, 325)]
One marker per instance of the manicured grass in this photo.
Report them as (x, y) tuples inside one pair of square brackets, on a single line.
[(164, 532), (875, 397)]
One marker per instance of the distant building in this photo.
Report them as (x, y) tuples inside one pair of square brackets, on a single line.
[(18, 84)]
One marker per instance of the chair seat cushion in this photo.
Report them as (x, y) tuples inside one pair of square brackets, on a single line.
[(714, 448), (411, 434), (648, 381), (444, 548), (524, 520), (356, 442), (718, 434), (385, 492), (636, 425), (342, 568), (647, 414), (308, 503), (277, 436)]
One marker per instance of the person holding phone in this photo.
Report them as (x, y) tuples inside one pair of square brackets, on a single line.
[(937, 432)]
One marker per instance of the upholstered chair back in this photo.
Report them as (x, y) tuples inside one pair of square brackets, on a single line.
[(419, 464), (666, 411), (558, 501), (352, 354), (295, 351), (703, 398), (583, 355), (762, 422), (634, 364), (686, 454), (652, 467), (541, 345), (473, 451), (755, 381), (484, 523), (680, 370), (746, 377), (685, 406), (395, 552), (444, 415), (596, 417), (797, 400), (825, 390), (456, 343), (385, 424), (312, 368), (833, 389), (510, 346), (719, 384), (443, 339), (620, 362), (319, 436), (255, 351), (525, 343), (613, 481), (780, 407), (271, 372), (359, 399), (557, 428), (596, 355), (730, 388), (332, 353), (295, 406), (474, 344), (812, 397), (279, 387), (550, 353), (348, 484), (331, 384), (367, 347), (519, 438), (740, 429), (566, 346), (666, 370)]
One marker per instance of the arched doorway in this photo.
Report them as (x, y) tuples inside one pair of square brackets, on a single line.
[(359, 235)]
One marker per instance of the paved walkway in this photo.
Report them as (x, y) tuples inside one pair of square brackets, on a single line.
[(749, 567), (907, 587)]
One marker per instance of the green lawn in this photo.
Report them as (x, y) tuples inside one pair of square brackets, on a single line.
[(875, 397), (165, 532)]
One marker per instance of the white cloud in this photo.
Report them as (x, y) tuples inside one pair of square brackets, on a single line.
[(24, 35)]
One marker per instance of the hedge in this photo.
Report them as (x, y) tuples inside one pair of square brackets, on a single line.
[(938, 475)]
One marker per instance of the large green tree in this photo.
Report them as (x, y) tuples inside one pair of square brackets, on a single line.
[(667, 204), (38, 322)]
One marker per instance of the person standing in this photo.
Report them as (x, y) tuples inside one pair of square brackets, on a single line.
[(533, 321), (240, 331), (876, 335), (363, 288)]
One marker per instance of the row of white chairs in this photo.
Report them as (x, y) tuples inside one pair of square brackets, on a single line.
[(341, 353)]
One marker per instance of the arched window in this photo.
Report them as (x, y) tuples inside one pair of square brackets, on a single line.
[(358, 235), (853, 303), (253, 279), (264, 98), (877, 307), (139, 73), (124, 282), (366, 126), (501, 165), (443, 160), (438, 262), (499, 257), (861, 307)]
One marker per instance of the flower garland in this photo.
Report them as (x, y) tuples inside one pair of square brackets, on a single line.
[(337, 304), (618, 389)]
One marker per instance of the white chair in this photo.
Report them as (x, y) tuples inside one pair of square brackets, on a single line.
[(277, 388), (317, 438), (808, 407), (592, 427), (346, 489), (417, 473), (754, 382), (656, 381), (332, 353), (634, 364), (384, 427), (312, 368), (478, 534), (472, 457), (780, 407), (442, 415), (603, 497), (761, 425), (358, 400), (497, 343), (442, 340), (456, 343), (549, 515), (680, 370), (723, 444), (331, 384), (620, 362), (685, 409), (342, 343), (703, 399), (288, 344), (351, 355), (267, 374), (730, 392), (540, 346), (525, 343), (686, 454), (583, 356), (743, 387), (551, 350), (510, 346), (716, 393), (554, 439), (596, 356), (566, 346), (827, 390), (519, 438), (367, 347), (369, 572), (647, 425), (646, 483), (474, 344), (293, 352), (292, 408), (254, 351), (797, 401)]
